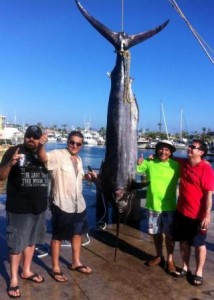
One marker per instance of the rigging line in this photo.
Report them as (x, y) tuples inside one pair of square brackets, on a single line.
[(195, 33), (122, 15), (200, 37), (102, 224)]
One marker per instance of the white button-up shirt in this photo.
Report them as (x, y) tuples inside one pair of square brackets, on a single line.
[(66, 181)]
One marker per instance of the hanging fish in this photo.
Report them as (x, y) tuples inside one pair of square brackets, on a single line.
[(117, 173)]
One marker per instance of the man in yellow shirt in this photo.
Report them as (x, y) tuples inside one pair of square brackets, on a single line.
[(163, 174)]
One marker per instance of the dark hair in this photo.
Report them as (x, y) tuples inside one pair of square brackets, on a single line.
[(75, 133), (203, 146), (160, 144)]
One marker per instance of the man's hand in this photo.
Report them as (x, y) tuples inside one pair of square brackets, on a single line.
[(140, 160), (91, 176), (14, 159), (43, 139)]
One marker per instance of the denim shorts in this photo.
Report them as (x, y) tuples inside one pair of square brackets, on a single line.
[(24, 230), (161, 222)]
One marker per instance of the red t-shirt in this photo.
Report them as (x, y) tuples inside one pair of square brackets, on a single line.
[(194, 181)]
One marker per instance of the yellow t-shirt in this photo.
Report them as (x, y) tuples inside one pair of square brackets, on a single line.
[(163, 177)]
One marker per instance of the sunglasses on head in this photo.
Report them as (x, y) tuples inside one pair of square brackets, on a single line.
[(35, 137), (194, 147), (74, 143)]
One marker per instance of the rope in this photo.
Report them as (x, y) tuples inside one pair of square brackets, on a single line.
[(122, 16), (100, 224), (127, 80), (203, 44)]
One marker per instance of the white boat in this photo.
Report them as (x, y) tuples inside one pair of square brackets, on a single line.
[(100, 141), (92, 137), (62, 138), (9, 133), (142, 143), (180, 145), (210, 151), (52, 138), (151, 144), (89, 139)]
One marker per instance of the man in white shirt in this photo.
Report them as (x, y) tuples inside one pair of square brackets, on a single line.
[(69, 218)]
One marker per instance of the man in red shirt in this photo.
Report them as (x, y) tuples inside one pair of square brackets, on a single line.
[(194, 208)]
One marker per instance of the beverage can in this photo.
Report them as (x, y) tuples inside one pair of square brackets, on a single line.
[(203, 230), (21, 160)]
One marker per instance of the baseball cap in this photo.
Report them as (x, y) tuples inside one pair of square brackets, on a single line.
[(33, 131), (166, 143)]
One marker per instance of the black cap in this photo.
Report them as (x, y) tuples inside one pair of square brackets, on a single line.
[(34, 130)]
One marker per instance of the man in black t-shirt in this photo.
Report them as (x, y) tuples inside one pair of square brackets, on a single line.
[(26, 203)]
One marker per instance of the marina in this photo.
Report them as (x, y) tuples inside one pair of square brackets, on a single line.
[(115, 148)]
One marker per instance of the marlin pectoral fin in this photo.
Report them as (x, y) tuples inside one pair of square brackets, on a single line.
[(120, 40)]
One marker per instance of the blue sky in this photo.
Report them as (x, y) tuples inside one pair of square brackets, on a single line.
[(53, 64)]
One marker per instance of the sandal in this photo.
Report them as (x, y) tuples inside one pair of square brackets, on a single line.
[(197, 280), (183, 273), (58, 276), (82, 269), (156, 261), (34, 277), (13, 289)]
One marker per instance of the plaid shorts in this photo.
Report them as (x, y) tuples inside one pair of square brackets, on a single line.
[(161, 222)]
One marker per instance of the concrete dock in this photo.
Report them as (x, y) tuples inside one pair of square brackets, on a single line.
[(126, 278)]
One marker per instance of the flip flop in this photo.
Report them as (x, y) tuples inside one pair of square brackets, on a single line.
[(183, 273), (13, 289), (55, 274), (32, 278), (197, 280), (79, 269)]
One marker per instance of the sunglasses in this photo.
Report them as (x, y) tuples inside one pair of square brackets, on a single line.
[(194, 147), (35, 137), (74, 143)]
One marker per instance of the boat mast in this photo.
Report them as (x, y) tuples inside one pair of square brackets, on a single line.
[(164, 119), (181, 124)]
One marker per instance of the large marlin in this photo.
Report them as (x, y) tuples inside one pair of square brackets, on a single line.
[(118, 169)]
